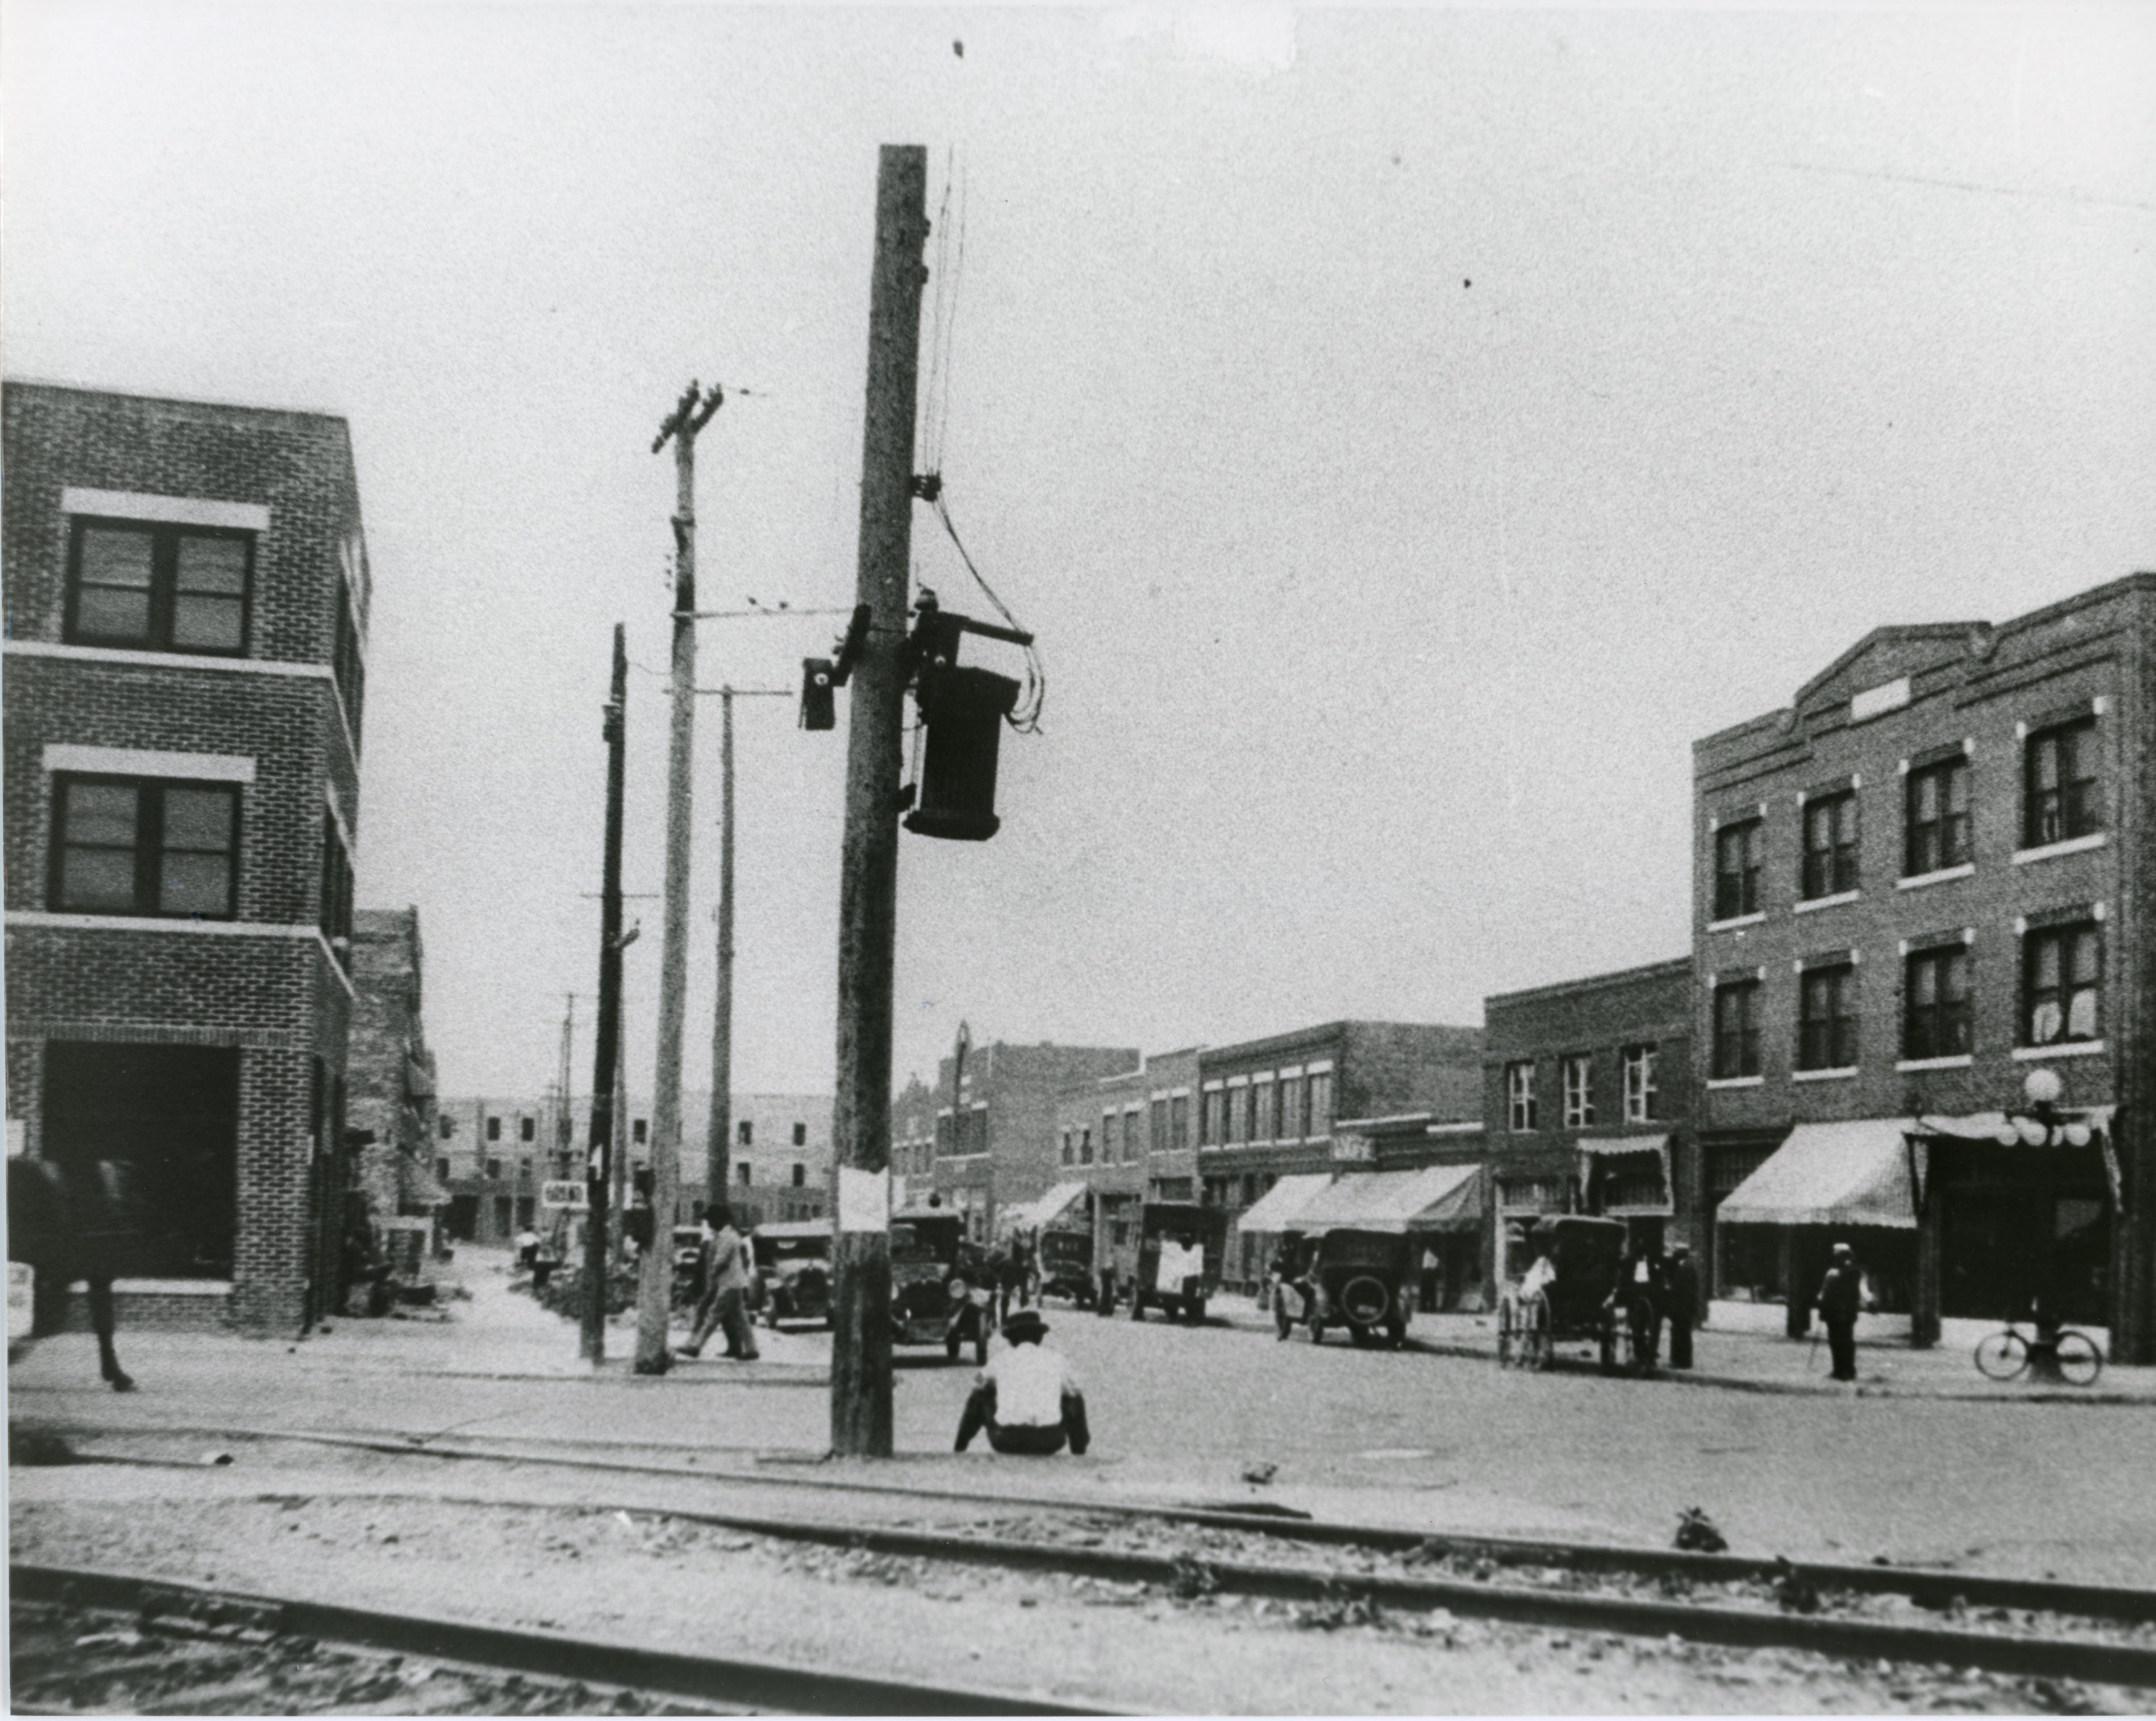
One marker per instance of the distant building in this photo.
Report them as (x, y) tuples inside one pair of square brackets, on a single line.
[(1267, 1108), (1126, 1139), (1587, 1105), (1928, 879), (780, 1156), (186, 593), (390, 1105)]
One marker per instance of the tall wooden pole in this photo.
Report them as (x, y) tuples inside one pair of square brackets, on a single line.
[(599, 1169), (654, 1290), (720, 1169), (868, 890)]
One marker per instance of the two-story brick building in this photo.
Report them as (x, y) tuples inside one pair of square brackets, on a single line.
[(389, 1071), (187, 591), (1928, 879), (1267, 1108), (1586, 1103)]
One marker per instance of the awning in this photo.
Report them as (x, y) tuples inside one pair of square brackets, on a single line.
[(1278, 1209), (1043, 1210), (2091, 1124), (1437, 1198), (1830, 1173), (1652, 1185)]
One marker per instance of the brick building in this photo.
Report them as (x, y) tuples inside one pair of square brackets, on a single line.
[(186, 593), (1127, 1138), (389, 1075), (1267, 1108), (781, 1155), (493, 1156), (1586, 1104), (1930, 877)]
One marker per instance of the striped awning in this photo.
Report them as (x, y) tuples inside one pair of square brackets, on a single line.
[(1437, 1198), (1849, 1173), (1281, 1207)]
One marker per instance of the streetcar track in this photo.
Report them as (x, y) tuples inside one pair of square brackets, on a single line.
[(735, 1682)]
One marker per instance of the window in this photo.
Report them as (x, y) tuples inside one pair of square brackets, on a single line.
[(1291, 1126), (1157, 1120), (494, 1170), (2063, 798), (1578, 1074), (1130, 1136), (639, 1132), (1238, 1116), (800, 1176), (1520, 1096), (1737, 1029), (1179, 1121), (124, 845), (1830, 844), (744, 1173), (800, 1135), (494, 1133), (527, 1129), (1937, 835), (1642, 1096), (449, 1127), (336, 916), (524, 1169), (1936, 1012), (1085, 1147), (1826, 1017), (1210, 1117), (350, 665), (1736, 870), (1321, 1103), (746, 1132), (1070, 1147), (159, 588), (2062, 985)]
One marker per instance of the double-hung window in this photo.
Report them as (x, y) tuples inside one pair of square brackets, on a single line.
[(1642, 1096), (1830, 844), (1735, 1029), (1290, 1108), (1938, 829), (1826, 1017), (1736, 870), (1085, 1146), (1580, 1092), (1935, 1011), (140, 846), (1130, 1136), (2063, 984), (2063, 794), (1520, 1095), (1321, 1103), (159, 588)]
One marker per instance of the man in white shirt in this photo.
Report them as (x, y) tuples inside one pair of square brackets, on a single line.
[(1026, 1399)]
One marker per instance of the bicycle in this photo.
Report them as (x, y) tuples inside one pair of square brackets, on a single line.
[(2067, 1356)]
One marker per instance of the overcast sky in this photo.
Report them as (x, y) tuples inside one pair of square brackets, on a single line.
[(1406, 430)]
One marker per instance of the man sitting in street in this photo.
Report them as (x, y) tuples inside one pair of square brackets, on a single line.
[(1026, 1399)]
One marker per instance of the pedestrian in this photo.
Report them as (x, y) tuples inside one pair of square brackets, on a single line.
[(725, 1268), (1638, 1295), (527, 1248), (1839, 1296), (1104, 1304), (1281, 1272), (1180, 1273), (1027, 1401), (1680, 1303)]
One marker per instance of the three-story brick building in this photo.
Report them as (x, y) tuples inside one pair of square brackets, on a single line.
[(186, 593)]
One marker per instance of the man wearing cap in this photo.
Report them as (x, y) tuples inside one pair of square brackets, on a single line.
[(1026, 1399), (1680, 1303), (1840, 1293)]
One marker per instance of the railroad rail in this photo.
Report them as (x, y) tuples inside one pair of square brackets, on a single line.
[(732, 1683)]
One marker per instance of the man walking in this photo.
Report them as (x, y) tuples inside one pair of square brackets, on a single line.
[(1680, 1303), (1840, 1294), (1026, 1399), (725, 1270)]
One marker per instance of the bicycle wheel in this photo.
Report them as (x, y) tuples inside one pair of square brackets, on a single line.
[(2080, 1362), (2002, 1355)]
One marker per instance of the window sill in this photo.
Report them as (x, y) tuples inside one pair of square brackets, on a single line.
[(1945, 874), (1959, 1060), (1840, 1075), (2059, 1049), (2072, 846), (1721, 1082), (1835, 901), (1742, 920)]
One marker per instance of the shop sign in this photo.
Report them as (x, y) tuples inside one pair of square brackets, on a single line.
[(563, 1191)]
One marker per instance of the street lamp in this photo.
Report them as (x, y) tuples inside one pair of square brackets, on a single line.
[(2041, 1126)]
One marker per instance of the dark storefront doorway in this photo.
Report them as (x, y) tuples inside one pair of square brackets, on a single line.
[(464, 1218), (171, 1112), (2018, 1221)]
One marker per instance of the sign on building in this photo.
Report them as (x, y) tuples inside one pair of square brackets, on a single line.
[(563, 1191)]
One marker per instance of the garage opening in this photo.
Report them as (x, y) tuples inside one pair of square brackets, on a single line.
[(170, 1114)]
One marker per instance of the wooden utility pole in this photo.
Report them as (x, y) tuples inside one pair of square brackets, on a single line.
[(720, 1167), (599, 1169), (868, 889), (654, 1290)]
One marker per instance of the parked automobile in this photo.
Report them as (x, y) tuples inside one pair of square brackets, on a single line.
[(793, 1270), (1569, 1299), (1362, 1281), (1164, 1227), (1066, 1267), (939, 1284)]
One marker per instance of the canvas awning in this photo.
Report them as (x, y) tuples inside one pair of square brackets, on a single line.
[(2090, 1124), (1610, 1152), (1043, 1210), (1278, 1209), (1854, 1173), (1437, 1198)]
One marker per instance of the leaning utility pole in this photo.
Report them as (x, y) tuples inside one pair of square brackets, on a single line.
[(654, 1289), (599, 1169), (720, 1168), (867, 888)]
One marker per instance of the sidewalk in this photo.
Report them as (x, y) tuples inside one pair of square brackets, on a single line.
[(1767, 1362)]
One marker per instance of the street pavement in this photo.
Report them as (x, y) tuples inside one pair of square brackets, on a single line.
[(2003, 1481)]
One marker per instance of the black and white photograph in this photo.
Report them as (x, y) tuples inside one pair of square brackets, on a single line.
[(1229, 859)]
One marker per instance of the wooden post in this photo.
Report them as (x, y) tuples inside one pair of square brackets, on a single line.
[(599, 1169), (719, 1171), (654, 1290), (868, 890)]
